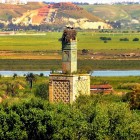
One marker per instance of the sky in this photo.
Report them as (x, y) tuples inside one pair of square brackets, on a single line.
[(93, 1)]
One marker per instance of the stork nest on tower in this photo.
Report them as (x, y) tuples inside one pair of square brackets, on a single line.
[(69, 34)]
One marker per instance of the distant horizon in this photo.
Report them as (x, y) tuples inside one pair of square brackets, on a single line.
[(92, 1)]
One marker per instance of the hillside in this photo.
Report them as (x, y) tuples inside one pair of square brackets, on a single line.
[(126, 14), (12, 11), (58, 14), (72, 11)]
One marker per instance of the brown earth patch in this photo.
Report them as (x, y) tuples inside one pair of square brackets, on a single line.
[(28, 55)]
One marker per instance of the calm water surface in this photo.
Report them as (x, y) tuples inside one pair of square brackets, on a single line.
[(94, 73)]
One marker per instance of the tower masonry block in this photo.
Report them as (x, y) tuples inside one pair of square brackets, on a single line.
[(66, 88)]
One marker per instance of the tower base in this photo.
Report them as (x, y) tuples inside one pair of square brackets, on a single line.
[(66, 88)]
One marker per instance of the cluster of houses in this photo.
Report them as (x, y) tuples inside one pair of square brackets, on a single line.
[(16, 2)]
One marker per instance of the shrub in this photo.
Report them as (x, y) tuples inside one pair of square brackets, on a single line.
[(85, 51), (105, 38), (124, 39), (133, 98), (128, 86), (125, 32), (42, 91), (109, 38), (136, 39), (41, 75)]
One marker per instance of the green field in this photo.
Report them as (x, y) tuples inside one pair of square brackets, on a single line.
[(91, 41), (18, 52), (30, 42), (86, 40), (83, 65)]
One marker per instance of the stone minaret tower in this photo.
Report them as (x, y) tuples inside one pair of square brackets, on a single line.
[(69, 51), (66, 87)]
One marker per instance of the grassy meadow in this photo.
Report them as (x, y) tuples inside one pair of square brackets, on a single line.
[(43, 52), (92, 41), (86, 40), (31, 42)]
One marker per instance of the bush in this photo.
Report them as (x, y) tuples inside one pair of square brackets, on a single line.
[(136, 39), (108, 38), (128, 86), (41, 75), (105, 38), (124, 39), (125, 32), (42, 91), (85, 51), (133, 98)]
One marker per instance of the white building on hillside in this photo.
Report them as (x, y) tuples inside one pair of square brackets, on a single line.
[(13, 1)]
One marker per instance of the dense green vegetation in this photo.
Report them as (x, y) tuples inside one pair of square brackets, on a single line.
[(27, 114), (97, 117)]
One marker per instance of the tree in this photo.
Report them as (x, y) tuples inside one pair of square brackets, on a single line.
[(136, 39), (43, 91), (11, 127), (41, 74), (30, 77), (14, 75)]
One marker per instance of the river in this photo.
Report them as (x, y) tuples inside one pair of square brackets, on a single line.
[(94, 73)]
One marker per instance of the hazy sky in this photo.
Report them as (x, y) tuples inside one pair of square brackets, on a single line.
[(92, 1)]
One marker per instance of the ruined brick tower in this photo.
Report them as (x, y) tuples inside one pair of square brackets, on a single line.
[(67, 86)]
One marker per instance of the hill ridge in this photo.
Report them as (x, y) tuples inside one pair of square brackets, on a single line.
[(64, 13)]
